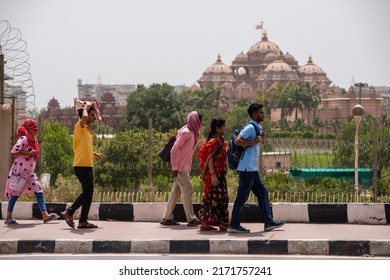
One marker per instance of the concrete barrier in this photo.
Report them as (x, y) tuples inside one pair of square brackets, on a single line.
[(353, 213)]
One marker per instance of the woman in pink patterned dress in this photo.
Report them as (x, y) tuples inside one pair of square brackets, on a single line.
[(26, 151)]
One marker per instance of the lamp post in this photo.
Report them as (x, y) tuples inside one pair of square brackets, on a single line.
[(360, 85), (357, 113)]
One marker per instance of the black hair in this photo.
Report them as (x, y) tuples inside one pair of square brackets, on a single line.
[(215, 123), (200, 116), (254, 107), (80, 111)]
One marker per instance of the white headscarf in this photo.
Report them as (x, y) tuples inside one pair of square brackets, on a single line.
[(78, 104)]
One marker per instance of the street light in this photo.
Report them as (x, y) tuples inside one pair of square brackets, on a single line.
[(357, 113), (360, 85)]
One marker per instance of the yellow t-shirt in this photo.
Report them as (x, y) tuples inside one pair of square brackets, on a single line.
[(82, 146)]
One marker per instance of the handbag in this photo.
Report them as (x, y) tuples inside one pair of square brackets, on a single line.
[(165, 153), (17, 183)]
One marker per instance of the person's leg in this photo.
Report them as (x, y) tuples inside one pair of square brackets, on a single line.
[(183, 179), (10, 208), (243, 191), (173, 198), (42, 207), (221, 207), (261, 192), (85, 176)]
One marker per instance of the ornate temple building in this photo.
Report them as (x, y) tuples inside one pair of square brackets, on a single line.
[(259, 70), (265, 66)]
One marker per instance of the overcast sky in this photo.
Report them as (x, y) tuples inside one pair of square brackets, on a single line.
[(174, 41)]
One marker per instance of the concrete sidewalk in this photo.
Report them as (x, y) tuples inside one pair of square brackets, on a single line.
[(32, 236)]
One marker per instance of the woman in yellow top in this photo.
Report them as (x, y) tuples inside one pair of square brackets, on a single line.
[(83, 164)]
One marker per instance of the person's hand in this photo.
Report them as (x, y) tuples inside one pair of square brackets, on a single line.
[(100, 156), (174, 173), (33, 153), (214, 180)]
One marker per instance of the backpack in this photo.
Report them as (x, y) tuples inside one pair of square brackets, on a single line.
[(165, 153), (235, 152)]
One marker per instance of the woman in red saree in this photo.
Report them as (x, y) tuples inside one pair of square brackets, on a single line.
[(213, 156)]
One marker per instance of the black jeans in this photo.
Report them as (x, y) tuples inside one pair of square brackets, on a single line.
[(85, 176)]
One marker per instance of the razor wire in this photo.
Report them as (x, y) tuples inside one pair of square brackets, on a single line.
[(18, 79)]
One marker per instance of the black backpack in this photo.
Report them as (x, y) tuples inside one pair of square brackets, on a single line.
[(235, 152), (165, 153)]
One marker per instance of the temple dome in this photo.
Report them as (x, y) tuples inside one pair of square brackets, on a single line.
[(264, 46), (310, 68), (219, 68)]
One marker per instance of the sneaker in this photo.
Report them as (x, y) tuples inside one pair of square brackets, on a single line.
[(273, 225), (192, 223), (238, 229)]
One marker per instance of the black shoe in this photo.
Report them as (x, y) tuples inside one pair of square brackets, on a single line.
[(192, 223), (273, 225), (169, 223)]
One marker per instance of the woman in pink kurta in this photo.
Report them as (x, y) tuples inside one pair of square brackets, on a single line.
[(27, 152)]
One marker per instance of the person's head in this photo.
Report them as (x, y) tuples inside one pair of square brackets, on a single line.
[(256, 112), (194, 121), (91, 114), (29, 127), (217, 126)]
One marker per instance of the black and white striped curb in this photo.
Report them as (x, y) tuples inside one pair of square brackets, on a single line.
[(248, 247), (355, 213)]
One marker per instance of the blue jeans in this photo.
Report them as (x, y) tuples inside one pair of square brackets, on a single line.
[(40, 201), (250, 181)]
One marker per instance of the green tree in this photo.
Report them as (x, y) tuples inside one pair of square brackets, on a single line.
[(311, 99), (159, 102), (126, 167), (57, 150), (345, 150)]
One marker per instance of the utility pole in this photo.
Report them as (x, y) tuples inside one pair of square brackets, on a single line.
[(360, 85), (1, 77)]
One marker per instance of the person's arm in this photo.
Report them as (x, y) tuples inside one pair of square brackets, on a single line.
[(240, 141), (100, 156), (25, 153), (175, 152), (84, 118)]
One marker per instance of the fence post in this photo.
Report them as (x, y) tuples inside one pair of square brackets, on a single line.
[(150, 176), (375, 161)]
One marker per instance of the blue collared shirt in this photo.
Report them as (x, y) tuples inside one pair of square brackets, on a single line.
[(250, 160)]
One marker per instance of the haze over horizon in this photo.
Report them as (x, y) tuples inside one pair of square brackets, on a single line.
[(173, 41)]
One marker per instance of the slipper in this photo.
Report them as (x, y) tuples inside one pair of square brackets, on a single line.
[(68, 219), (53, 216), (11, 221), (207, 228), (86, 225)]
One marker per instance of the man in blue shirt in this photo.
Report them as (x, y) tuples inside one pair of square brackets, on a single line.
[(248, 170)]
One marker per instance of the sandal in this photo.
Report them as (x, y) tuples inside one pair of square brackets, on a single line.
[(11, 221), (86, 225), (53, 216), (206, 228), (169, 223), (68, 218)]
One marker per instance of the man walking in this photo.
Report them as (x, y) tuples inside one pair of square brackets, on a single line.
[(249, 178), (83, 163)]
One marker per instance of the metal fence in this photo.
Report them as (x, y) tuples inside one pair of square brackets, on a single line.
[(278, 155)]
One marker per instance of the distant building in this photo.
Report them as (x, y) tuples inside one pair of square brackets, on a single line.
[(265, 66), (119, 91), (260, 69)]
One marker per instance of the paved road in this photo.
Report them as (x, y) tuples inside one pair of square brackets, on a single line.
[(32, 236)]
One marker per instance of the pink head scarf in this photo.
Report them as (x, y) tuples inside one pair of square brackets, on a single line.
[(194, 124), (29, 129)]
